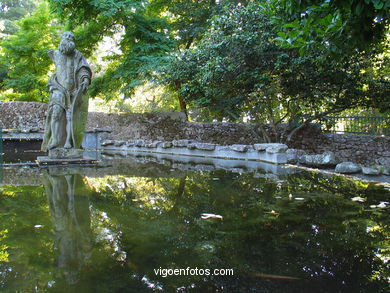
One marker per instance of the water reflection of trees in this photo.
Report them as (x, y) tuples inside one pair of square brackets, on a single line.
[(321, 237), (304, 226)]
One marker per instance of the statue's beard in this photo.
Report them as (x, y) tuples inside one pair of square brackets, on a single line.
[(67, 47)]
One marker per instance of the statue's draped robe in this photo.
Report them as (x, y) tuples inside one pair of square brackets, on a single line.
[(78, 104)]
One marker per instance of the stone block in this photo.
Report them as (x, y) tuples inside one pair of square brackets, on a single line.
[(371, 171), (108, 142), (139, 143), (62, 153), (241, 148), (166, 144), (102, 129), (293, 155), (34, 129), (348, 168), (119, 143), (202, 146), (281, 148), (384, 161), (191, 146), (260, 147), (181, 143), (153, 144), (327, 159)]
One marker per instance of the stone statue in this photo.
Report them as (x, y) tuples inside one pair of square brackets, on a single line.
[(68, 104), (67, 195)]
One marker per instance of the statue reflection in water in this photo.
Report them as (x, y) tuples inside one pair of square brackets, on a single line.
[(69, 208)]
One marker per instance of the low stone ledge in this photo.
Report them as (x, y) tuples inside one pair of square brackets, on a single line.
[(197, 149)]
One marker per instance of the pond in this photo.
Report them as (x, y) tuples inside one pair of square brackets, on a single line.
[(140, 225)]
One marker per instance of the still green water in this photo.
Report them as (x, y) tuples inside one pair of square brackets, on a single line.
[(301, 232)]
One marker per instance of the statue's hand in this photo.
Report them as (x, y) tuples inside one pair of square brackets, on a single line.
[(84, 86), (51, 54)]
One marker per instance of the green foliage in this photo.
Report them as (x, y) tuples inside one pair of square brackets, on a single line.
[(149, 32), (20, 242), (143, 43), (269, 61), (25, 60), (340, 26), (216, 73), (11, 11), (238, 69)]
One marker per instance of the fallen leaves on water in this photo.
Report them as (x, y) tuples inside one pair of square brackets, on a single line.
[(206, 216), (268, 276), (358, 198)]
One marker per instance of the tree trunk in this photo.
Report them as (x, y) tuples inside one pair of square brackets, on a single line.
[(183, 105)]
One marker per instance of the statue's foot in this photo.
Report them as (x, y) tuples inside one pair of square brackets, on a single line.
[(68, 145), (52, 145)]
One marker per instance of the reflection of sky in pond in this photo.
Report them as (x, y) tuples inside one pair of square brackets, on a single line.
[(296, 233)]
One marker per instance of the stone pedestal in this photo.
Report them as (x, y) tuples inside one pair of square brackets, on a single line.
[(62, 156), (62, 153)]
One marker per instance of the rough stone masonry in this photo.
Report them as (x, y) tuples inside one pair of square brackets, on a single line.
[(361, 149)]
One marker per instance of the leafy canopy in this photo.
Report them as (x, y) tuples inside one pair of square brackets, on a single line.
[(24, 55)]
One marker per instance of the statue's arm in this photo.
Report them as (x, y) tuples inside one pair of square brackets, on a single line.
[(85, 79)]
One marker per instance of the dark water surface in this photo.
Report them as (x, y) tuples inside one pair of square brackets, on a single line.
[(302, 232)]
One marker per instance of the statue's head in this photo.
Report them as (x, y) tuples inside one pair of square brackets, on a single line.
[(67, 44)]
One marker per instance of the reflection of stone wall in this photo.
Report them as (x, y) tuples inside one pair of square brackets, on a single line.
[(130, 166), (21, 176), (170, 126)]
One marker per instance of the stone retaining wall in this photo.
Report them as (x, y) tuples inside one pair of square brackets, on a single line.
[(168, 127), (172, 126), (153, 126), (22, 115), (363, 149)]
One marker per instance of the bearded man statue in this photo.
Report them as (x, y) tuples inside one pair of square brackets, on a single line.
[(68, 104)]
